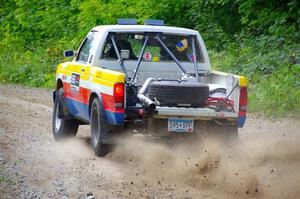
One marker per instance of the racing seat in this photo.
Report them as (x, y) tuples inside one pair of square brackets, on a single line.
[(122, 45)]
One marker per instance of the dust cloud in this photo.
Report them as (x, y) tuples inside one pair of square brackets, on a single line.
[(262, 167)]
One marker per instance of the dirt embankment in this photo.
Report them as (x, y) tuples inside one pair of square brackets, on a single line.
[(263, 163)]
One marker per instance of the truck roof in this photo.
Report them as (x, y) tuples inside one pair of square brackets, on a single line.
[(145, 28)]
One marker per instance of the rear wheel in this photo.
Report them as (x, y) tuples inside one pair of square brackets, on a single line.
[(99, 128), (63, 125)]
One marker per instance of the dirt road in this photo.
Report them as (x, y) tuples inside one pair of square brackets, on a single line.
[(264, 163)]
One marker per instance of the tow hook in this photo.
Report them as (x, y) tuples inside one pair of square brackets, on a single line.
[(139, 122)]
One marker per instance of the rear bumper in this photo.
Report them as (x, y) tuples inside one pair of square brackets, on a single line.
[(196, 113), (114, 118), (164, 112)]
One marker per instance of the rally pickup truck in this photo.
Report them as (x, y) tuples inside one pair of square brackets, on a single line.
[(150, 77)]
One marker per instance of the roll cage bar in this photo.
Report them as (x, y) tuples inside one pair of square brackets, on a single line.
[(157, 37)]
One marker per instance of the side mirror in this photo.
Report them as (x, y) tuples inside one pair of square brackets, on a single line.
[(69, 53)]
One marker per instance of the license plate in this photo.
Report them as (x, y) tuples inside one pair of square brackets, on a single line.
[(180, 125)]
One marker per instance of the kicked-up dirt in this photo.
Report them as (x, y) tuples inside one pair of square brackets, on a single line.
[(263, 163)]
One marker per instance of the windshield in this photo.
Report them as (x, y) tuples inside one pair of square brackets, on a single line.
[(130, 47)]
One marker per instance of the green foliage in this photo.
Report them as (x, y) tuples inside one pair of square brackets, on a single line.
[(27, 69), (277, 17), (217, 20), (279, 93), (249, 37)]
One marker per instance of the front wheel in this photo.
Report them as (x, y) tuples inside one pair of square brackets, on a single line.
[(99, 128), (62, 125)]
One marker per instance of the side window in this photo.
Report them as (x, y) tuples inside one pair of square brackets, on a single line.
[(109, 51), (84, 51)]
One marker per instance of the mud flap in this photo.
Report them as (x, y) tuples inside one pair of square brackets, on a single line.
[(54, 95)]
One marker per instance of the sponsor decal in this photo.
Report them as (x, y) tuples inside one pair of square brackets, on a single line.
[(182, 45), (148, 56), (75, 82), (156, 59)]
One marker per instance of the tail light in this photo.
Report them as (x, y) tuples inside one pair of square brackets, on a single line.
[(242, 107), (243, 101), (118, 95)]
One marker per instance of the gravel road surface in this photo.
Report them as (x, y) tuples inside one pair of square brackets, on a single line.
[(263, 163)]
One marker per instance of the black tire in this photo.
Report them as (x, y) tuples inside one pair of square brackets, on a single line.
[(100, 128), (173, 93), (63, 125)]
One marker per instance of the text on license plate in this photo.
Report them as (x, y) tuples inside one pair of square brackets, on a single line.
[(180, 125)]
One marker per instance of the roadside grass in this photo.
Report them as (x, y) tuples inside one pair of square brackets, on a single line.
[(6, 180), (34, 68)]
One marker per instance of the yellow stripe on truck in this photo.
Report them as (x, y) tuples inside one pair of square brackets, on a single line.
[(93, 74), (105, 74), (243, 81)]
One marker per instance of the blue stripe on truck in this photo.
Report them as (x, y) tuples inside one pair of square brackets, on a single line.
[(241, 121), (80, 110)]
